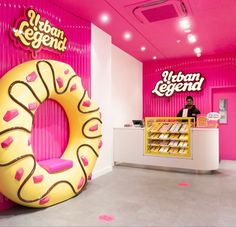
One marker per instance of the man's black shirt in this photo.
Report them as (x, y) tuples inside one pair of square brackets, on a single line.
[(191, 112)]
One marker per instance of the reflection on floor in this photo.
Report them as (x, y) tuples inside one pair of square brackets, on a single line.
[(140, 197)]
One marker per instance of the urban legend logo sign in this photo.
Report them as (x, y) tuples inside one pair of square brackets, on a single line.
[(180, 82), (34, 33)]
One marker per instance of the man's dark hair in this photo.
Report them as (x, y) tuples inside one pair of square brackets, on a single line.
[(189, 97)]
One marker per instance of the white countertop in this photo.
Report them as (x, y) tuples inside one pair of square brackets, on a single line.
[(138, 128), (193, 129)]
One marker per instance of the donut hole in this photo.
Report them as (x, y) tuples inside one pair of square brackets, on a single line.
[(50, 132)]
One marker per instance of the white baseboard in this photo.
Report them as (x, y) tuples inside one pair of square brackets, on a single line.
[(101, 172)]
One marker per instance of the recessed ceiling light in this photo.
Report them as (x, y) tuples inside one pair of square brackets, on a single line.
[(184, 24), (192, 38), (105, 18), (154, 57), (127, 35), (143, 48), (178, 41), (188, 30), (197, 50)]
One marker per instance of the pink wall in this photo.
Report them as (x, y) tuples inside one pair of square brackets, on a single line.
[(77, 55), (227, 151), (51, 126), (218, 71)]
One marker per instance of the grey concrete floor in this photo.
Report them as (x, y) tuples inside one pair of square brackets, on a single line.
[(142, 197)]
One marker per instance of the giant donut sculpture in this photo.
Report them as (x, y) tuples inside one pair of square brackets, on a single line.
[(22, 90)]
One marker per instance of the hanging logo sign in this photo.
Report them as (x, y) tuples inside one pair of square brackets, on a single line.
[(34, 33), (178, 83)]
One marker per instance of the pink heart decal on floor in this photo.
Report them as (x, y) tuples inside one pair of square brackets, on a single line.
[(106, 217), (183, 184)]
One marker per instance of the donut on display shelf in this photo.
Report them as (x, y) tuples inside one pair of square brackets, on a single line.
[(22, 90)]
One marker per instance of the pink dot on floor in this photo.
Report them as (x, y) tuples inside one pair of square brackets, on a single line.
[(183, 184), (106, 217)]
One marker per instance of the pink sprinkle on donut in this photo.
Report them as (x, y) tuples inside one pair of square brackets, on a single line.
[(100, 144), (29, 141), (66, 71), (73, 87), (93, 128), (31, 77), (60, 82), (7, 142), (10, 114), (38, 179), (100, 115), (84, 160), (81, 183), (19, 174), (86, 103), (90, 177), (32, 106), (44, 200)]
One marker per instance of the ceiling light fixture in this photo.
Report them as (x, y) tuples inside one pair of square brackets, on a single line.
[(199, 55), (192, 38), (127, 36), (143, 48), (184, 24), (105, 18), (197, 50), (188, 30), (154, 57)]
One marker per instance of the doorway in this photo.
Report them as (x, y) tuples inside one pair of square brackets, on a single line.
[(227, 125)]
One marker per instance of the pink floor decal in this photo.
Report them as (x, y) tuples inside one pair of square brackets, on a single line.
[(183, 184), (106, 217)]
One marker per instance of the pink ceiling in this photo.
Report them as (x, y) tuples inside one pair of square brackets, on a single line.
[(211, 21)]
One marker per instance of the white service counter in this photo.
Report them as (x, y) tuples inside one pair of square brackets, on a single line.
[(129, 148)]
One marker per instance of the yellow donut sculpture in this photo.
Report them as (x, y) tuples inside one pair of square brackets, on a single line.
[(22, 90)]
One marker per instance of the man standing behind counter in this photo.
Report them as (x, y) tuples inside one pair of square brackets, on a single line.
[(190, 110)]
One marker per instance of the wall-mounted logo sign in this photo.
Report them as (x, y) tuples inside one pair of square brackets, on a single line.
[(34, 33), (178, 83)]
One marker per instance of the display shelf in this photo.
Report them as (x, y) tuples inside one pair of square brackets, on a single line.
[(171, 139), (156, 145), (168, 139), (168, 136)]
